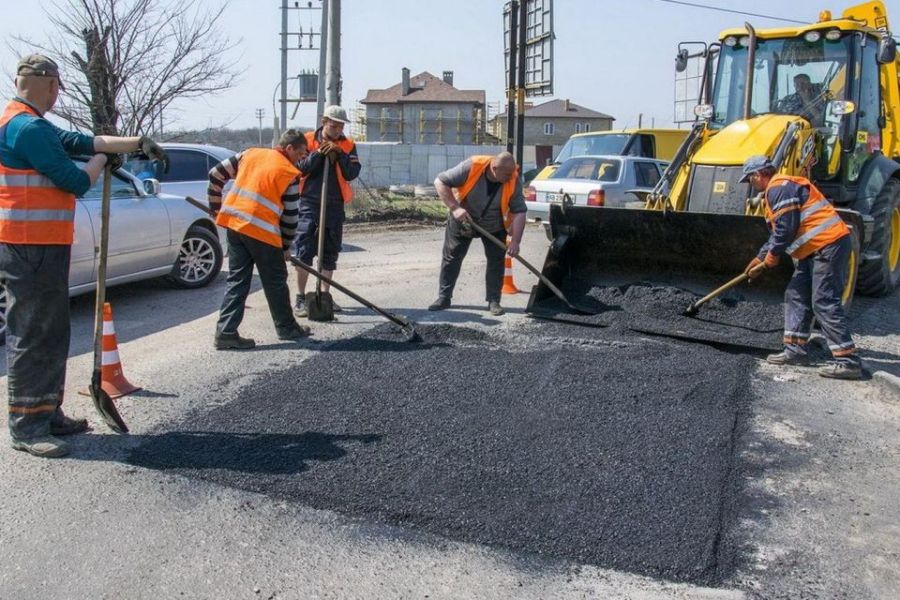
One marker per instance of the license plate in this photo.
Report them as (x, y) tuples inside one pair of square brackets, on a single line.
[(554, 198)]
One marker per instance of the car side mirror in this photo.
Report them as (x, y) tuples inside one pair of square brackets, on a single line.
[(887, 49), (152, 187)]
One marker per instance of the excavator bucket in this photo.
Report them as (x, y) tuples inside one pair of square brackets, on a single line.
[(647, 267)]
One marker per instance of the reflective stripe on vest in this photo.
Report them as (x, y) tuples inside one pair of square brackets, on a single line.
[(32, 209), (253, 207), (820, 224), (346, 146), (480, 163)]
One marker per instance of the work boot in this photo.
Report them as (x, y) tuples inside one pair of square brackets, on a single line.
[(841, 370), (440, 304), (233, 341), (495, 309), (335, 307), (63, 425), (783, 359), (45, 446), (296, 332), (300, 310)]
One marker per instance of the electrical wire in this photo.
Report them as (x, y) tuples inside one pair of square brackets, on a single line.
[(736, 12)]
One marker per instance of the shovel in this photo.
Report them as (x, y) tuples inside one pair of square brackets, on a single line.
[(406, 326), (692, 310), (102, 402), (319, 304), (556, 291)]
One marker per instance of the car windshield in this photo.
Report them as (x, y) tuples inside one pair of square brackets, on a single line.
[(593, 145), (589, 167), (791, 76)]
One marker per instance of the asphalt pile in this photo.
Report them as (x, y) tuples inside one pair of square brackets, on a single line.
[(648, 308), (619, 455)]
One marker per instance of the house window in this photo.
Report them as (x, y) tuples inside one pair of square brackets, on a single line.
[(577, 127), (587, 127), (548, 128)]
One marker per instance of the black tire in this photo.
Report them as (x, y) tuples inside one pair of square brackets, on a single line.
[(880, 277), (199, 259), (852, 271)]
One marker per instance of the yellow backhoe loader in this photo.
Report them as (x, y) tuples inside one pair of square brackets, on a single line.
[(821, 101)]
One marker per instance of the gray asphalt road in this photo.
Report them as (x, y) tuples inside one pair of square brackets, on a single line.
[(817, 519)]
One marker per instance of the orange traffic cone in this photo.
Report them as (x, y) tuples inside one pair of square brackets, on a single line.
[(509, 286), (113, 380)]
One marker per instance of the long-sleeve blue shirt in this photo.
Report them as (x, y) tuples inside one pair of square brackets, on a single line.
[(784, 199), (32, 142)]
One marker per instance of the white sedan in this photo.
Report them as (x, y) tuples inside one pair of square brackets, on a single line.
[(150, 235), (593, 181)]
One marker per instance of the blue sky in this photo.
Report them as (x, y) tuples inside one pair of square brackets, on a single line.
[(614, 56)]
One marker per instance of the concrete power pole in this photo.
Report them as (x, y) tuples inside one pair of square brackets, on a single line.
[(333, 56), (260, 113), (323, 43), (284, 62)]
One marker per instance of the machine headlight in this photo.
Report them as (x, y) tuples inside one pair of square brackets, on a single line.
[(730, 41), (842, 107), (704, 111), (812, 36), (833, 35), (744, 41)]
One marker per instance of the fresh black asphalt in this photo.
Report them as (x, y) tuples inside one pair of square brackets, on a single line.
[(729, 320), (615, 454)]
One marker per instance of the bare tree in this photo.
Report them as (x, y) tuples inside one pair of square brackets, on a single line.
[(125, 61)]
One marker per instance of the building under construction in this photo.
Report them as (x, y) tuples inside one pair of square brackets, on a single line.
[(423, 109)]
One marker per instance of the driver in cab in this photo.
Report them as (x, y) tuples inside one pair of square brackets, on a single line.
[(807, 101)]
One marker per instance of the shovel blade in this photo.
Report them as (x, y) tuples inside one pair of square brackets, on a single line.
[(320, 306), (106, 407)]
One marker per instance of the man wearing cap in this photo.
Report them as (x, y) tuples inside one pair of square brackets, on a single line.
[(805, 226), (328, 142), (260, 214), (38, 187)]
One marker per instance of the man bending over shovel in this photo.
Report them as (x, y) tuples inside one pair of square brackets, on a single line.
[(260, 214)]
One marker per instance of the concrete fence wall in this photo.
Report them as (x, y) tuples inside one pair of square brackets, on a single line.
[(386, 164)]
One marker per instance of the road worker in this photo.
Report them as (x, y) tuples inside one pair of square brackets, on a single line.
[(486, 190), (38, 187), (806, 227)]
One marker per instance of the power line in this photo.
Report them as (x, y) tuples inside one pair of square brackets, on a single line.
[(736, 12)]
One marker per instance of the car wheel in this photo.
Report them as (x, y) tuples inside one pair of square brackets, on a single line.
[(199, 259)]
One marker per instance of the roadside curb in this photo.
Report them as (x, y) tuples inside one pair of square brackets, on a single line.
[(889, 383)]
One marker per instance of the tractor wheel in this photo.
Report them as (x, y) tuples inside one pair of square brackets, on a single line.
[(880, 277)]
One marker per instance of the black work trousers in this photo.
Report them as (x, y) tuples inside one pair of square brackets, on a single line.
[(36, 279), (456, 246), (243, 253)]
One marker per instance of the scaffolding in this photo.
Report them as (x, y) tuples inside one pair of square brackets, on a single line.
[(428, 126)]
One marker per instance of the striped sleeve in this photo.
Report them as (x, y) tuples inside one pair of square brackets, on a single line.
[(291, 213), (219, 175)]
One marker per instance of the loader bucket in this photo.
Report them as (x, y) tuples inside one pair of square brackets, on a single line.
[(649, 266)]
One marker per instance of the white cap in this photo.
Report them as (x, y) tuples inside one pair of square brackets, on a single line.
[(336, 113)]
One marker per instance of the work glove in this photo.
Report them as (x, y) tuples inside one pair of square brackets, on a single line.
[(755, 268), (114, 161), (151, 149), (325, 148)]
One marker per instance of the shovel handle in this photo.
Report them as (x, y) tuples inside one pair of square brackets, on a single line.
[(719, 290), (556, 291)]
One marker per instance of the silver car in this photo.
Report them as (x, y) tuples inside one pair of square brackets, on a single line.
[(189, 166), (593, 181), (150, 235)]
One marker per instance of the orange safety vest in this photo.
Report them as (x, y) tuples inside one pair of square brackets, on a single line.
[(479, 164), (346, 146), (820, 223), (253, 207), (32, 209)]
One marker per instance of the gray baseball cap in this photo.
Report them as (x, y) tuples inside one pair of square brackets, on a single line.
[(38, 65), (336, 113), (753, 164)]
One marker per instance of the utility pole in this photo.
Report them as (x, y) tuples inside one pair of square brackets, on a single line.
[(333, 56), (260, 113), (511, 85), (323, 43), (520, 91), (301, 35), (284, 62)]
